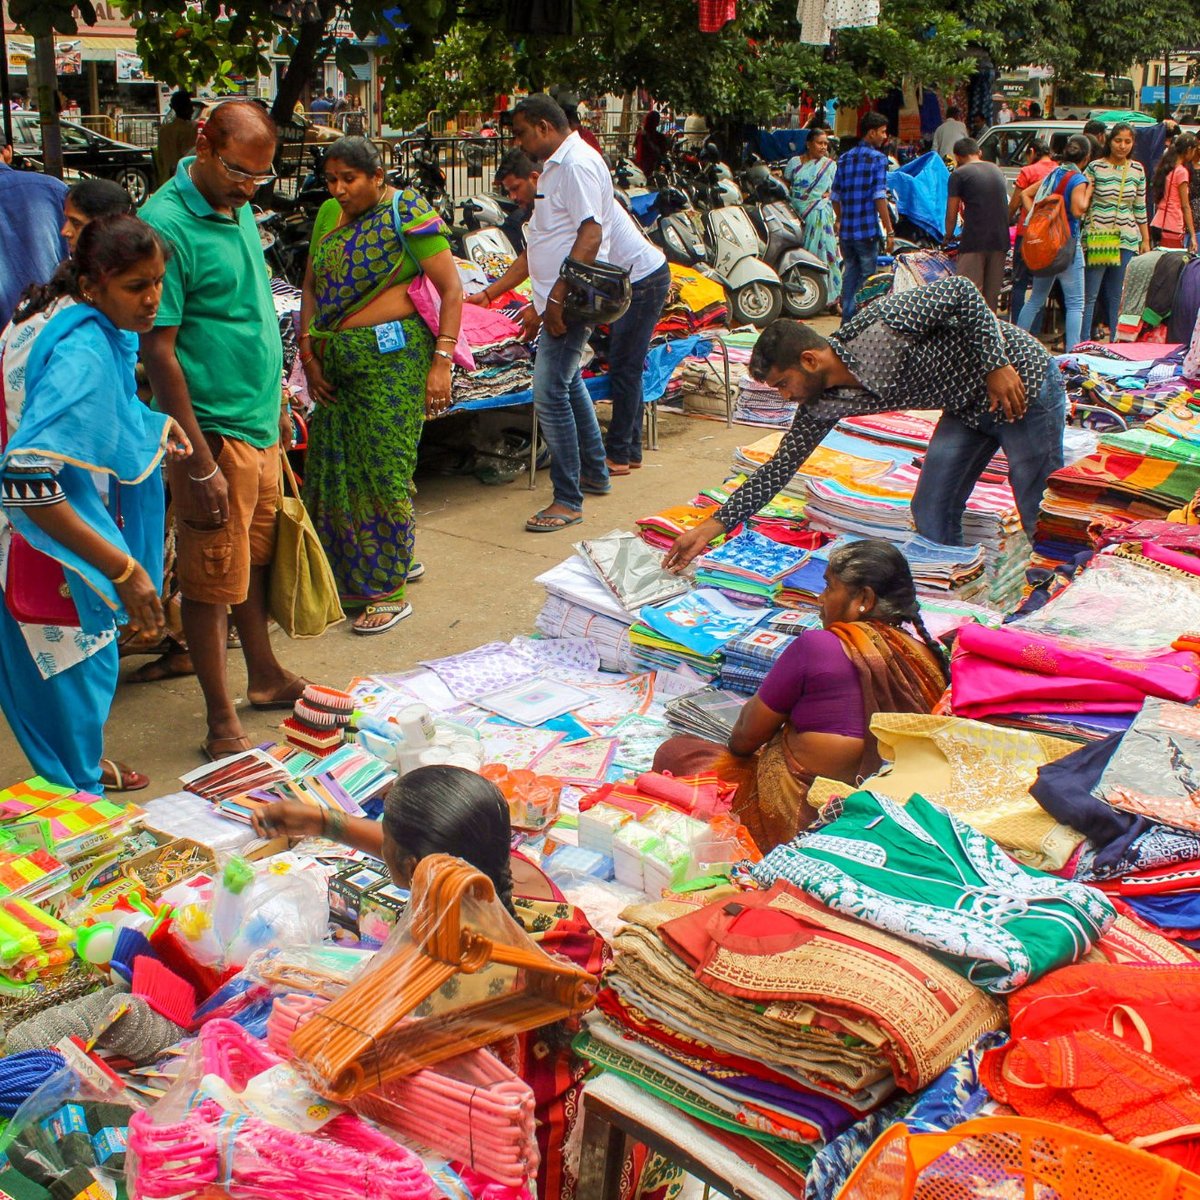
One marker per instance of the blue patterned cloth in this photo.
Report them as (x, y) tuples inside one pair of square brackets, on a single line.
[(861, 179), (954, 1096)]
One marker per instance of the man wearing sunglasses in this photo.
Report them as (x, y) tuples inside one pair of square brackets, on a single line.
[(215, 363)]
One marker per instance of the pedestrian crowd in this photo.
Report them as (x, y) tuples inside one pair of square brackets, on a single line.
[(1123, 191)]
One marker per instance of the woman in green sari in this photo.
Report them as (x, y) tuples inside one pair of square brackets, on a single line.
[(375, 372)]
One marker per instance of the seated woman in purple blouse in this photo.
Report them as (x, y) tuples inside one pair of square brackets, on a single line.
[(812, 714)]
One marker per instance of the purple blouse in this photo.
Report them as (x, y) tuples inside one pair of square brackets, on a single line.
[(817, 686)]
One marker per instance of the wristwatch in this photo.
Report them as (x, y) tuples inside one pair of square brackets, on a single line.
[(444, 354)]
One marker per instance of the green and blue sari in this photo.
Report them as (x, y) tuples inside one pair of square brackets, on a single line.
[(362, 452)]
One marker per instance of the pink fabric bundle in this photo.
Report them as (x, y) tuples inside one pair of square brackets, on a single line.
[(472, 1108), (1006, 671)]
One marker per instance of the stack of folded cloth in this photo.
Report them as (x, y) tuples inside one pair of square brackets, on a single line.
[(750, 567), (775, 1021), (941, 569), (1137, 475), (660, 529), (579, 605), (690, 630), (760, 404), (709, 712), (748, 659), (319, 720)]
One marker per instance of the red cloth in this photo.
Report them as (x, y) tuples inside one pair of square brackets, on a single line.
[(715, 14), (1099, 1048)]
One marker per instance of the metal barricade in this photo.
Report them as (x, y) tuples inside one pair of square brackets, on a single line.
[(98, 123), (468, 163), (138, 129)]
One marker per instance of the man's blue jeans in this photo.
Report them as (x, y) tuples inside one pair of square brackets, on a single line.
[(567, 416), (860, 259), (958, 454), (628, 345)]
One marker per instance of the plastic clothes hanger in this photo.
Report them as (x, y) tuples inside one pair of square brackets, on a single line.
[(410, 1008)]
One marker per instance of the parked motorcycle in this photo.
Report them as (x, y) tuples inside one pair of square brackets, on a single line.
[(804, 276), (755, 289), (479, 238)]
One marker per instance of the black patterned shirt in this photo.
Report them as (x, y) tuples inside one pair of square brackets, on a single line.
[(928, 348)]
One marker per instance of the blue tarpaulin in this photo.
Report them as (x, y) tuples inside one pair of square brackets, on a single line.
[(920, 188), (778, 145), (661, 363)]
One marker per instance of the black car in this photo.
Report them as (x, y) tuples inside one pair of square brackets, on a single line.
[(87, 153)]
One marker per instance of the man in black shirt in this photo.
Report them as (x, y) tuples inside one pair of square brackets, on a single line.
[(937, 346), (979, 191)]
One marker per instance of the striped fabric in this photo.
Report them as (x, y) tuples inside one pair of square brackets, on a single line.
[(1115, 207), (29, 488)]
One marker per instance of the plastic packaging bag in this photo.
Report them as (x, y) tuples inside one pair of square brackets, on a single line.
[(71, 1134), (279, 902), (239, 1117)]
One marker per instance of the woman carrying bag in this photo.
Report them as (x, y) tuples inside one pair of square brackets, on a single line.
[(1069, 182), (375, 371), (1114, 229), (81, 529)]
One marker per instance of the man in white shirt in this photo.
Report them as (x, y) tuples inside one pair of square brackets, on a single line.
[(948, 132), (576, 216)]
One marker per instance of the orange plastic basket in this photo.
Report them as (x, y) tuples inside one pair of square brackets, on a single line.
[(1013, 1158)]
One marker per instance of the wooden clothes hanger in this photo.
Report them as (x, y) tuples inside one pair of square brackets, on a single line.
[(400, 1015)]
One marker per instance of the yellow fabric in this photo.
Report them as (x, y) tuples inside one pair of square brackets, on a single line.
[(981, 773), (822, 463), (695, 290)]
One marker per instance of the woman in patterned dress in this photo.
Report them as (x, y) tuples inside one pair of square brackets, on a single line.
[(810, 176), (375, 371)]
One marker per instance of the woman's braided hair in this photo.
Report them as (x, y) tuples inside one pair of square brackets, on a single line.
[(878, 565)]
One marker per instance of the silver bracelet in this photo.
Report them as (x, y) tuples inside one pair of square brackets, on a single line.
[(205, 478), (443, 354)]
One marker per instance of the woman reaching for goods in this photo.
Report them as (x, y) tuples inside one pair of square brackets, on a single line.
[(812, 714), (375, 371), (79, 484), (450, 810)]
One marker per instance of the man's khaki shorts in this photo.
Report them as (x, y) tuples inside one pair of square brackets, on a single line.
[(214, 563)]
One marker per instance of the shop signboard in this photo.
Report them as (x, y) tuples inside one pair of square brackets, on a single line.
[(129, 67)]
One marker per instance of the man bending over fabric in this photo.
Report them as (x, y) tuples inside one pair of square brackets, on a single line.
[(938, 346)]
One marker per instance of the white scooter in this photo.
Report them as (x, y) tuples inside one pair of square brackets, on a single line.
[(734, 248)]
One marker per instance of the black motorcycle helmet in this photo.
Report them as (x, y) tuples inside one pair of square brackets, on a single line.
[(672, 200), (598, 293), (710, 152), (770, 189)]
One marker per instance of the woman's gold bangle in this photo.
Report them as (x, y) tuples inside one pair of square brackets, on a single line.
[(130, 567)]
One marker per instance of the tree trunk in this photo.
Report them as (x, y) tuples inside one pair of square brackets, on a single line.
[(47, 85), (297, 79)]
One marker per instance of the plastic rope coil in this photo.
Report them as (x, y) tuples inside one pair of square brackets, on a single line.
[(994, 1158), (22, 1074)]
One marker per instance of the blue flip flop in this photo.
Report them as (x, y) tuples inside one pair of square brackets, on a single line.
[(561, 522)]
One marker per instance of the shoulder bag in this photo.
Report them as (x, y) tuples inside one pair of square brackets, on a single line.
[(36, 591), (302, 593), (1102, 246), (425, 297)]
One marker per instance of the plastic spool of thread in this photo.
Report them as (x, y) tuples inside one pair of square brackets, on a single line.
[(416, 724)]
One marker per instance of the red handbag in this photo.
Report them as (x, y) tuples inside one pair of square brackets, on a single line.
[(35, 586)]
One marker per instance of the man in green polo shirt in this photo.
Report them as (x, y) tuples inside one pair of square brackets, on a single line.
[(215, 363)]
